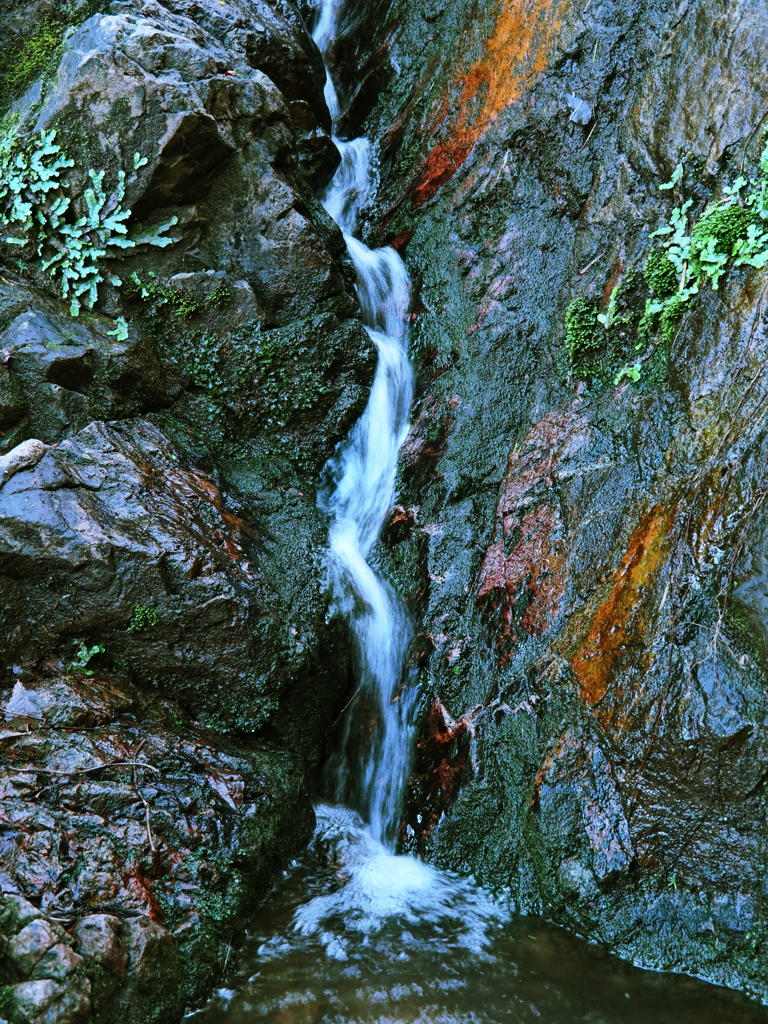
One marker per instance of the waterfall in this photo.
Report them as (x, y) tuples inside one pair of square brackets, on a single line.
[(371, 770)]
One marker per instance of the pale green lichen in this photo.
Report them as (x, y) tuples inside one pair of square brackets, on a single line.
[(68, 235), (730, 232)]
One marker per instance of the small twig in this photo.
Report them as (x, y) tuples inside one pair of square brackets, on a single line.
[(357, 691), (592, 263), (590, 134), (503, 166), (143, 798), (84, 771)]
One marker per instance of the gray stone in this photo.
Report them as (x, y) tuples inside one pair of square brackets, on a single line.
[(28, 946), (51, 1002), (97, 938), (59, 962)]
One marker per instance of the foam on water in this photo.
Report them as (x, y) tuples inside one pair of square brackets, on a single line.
[(379, 890)]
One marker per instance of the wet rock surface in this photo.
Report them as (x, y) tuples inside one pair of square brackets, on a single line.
[(582, 550), (109, 542), (239, 339), (134, 846), (168, 667)]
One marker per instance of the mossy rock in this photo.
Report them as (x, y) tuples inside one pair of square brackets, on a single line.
[(660, 273), (726, 224), (30, 58), (33, 54)]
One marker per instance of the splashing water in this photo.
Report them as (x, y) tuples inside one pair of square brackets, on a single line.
[(384, 892), (370, 773)]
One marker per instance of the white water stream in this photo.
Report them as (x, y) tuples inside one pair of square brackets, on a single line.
[(370, 774)]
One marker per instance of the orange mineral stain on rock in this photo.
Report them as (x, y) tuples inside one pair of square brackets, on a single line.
[(516, 51), (622, 621)]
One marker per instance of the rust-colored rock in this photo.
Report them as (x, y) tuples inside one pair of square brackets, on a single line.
[(516, 51), (623, 622), (524, 573)]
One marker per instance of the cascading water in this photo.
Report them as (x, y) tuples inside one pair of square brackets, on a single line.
[(370, 776), (357, 935)]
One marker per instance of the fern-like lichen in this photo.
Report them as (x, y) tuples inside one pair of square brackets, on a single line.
[(69, 236)]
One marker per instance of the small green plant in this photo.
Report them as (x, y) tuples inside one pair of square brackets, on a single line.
[(220, 296), (720, 227), (83, 655), (184, 304), (121, 329), (160, 299), (143, 618), (629, 372), (732, 231), (68, 236), (609, 317), (589, 332)]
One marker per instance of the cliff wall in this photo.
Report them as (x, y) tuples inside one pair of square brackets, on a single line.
[(581, 530)]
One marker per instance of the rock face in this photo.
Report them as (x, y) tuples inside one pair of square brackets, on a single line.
[(581, 530), (139, 843), (168, 671), (582, 543), (236, 334), (107, 537)]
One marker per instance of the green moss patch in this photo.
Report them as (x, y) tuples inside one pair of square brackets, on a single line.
[(36, 55), (630, 340), (30, 59)]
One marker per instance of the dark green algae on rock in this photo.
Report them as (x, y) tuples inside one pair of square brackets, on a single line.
[(583, 552)]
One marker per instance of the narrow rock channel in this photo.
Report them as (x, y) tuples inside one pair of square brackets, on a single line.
[(356, 933), (383, 533), (372, 767)]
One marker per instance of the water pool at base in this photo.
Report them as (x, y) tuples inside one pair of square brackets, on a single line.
[(355, 935)]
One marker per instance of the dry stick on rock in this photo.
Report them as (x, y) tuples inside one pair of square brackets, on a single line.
[(349, 702), (143, 798), (592, 263), (590, 134), (84, 771)]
